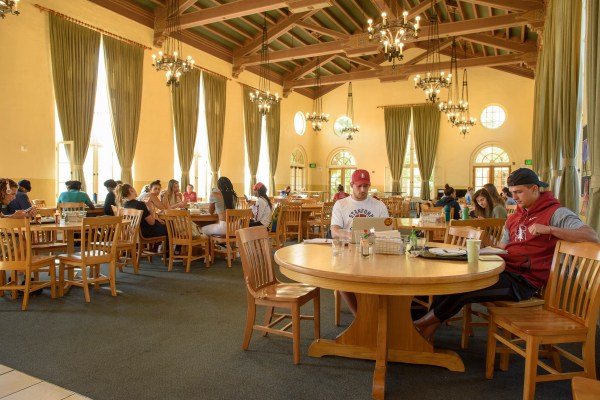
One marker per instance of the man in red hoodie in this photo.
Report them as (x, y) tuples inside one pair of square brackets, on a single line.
[(530, 235)]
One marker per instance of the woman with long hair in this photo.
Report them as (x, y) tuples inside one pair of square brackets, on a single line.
[(484, 206), (151, 197), (449, 199), (221, 199), (494, 194), (173, 198), (262, 208), (126, 197)]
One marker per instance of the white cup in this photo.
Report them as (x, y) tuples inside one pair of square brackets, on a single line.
[(473, 246), (336, 246)]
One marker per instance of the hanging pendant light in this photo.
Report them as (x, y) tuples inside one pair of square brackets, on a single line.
[(350, 129), (263, 96), (170, 60), (9, 7), (392, 33), (434, 80), (455, 104), (318, 118), (464, 121)]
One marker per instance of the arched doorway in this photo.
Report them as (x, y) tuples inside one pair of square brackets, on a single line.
[(490, 164), (341, 166), (297, 168)]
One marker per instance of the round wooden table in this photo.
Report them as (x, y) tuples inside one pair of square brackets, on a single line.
[(384, 287)]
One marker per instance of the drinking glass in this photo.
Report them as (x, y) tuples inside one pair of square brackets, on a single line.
[(336, 246), (473, 246)]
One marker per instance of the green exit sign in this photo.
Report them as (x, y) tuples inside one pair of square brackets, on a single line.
[(528, 162), (312, 165)]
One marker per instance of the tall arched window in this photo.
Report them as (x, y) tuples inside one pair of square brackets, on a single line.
[(297, 167), (491, 164), (341, 167)]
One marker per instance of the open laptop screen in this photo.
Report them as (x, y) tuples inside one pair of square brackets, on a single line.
[(359, 224)]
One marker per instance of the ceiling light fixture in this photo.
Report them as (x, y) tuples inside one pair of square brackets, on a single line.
[(263, 96), (350, 129), (9, 7), (318, 117)]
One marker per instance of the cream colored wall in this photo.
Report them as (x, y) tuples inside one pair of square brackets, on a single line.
[(27, 112), (27, 106)]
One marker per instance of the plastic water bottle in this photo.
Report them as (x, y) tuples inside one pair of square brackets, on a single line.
[(413, 238), (364, 244), (95, 198), (465, 213), (447, 213)]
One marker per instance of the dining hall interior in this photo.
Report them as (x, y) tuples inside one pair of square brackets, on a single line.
[(345, 101)]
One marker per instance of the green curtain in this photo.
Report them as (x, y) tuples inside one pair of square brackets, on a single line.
[(426, 128), (538, 156), (74, 51), (185, 103), (569, 30), (252, 126), (124, 71), (215, 101), (397, 123), (552, 135), (273, 133), (592, 67)]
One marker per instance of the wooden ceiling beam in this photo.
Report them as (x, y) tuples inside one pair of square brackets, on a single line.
[(275, 31), (308, 67), (239, 9), (324, 31), (506, 44), (404, 71), (184, 5), (512, 5)]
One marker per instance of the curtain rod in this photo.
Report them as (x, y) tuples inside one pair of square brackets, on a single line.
[(405, 105), (94, 28), (248, 86), (78, 22)]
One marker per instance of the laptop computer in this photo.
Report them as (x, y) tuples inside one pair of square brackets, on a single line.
[(359, 224)]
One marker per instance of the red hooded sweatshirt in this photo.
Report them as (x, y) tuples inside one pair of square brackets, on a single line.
[(531, 255)]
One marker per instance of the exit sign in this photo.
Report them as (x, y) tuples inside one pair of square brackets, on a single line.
[(312, 165), (528, 162)]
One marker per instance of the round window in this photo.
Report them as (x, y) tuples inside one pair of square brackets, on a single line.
[(493, 116), (341, 123), (299, 123)]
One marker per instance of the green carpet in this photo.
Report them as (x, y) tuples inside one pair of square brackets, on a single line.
[(177, 335)]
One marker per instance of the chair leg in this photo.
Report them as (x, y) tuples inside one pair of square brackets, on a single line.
[(251, 315), (317, 315), (207, 259), (588, 353), (171, 255), (491, 350), (86, 289), (26, 292), (268, 317), (338, 304), (52, 273), (113, 278), (189, 258), (531, 360), (296, 332), (467, 328), (164, 247), (61, 280), (229, 255)]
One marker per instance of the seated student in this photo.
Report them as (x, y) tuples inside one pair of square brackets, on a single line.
[(484, 206), (449, 199), (21, 202), (262, 208), (494, 194), (74, 194), (151, 197), (222, 199), (109, 201), (340, 194), (530, 236), (469, 195), (172, 197), (189, 195), (8, 192), (149, 226), (507, 196), (286, 191)]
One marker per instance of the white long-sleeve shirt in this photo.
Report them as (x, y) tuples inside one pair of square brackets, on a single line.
[(262, 212)]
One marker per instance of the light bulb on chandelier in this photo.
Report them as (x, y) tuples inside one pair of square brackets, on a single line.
[(392, 34)]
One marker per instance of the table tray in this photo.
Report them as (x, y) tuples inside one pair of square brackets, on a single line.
[(428, 254)]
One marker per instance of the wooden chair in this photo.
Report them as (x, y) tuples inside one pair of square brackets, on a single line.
[(585, 388), (278, 236), (458, 235), (145, 247), (16, 256), (569, 315), (235, 219), (322, 223), (70, 206), (263, 289), (128, 238), (404, 208), (99, 237), (293, 221), (46, 242), (511, 209), (179, 226), (39, 203), (493, 227), (242, 204)]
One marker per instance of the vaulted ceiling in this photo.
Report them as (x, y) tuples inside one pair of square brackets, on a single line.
[(500, 34)]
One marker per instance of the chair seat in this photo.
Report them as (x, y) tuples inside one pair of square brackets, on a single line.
[(285, 291), (532, 302), (537, 322), (76, 257), (41, 261), (47, 246), (125, 243)]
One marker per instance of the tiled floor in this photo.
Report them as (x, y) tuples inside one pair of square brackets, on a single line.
[(15, 385)]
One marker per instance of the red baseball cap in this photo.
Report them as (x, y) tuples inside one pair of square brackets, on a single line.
[(258, 185), (361, 177)]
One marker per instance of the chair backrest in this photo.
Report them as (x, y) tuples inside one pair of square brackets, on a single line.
[(493, 227), (237, 219), (115, 209), (242, 204), (293, 213), (511, 209), (326, 211), (458, 235), (573, 287), (130, 231), (255, 250), (71, 206), (47, 212), (15, 244), (99, 237), (179, 225), (39, 203)]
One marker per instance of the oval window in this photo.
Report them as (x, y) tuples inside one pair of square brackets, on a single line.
[(493, 116), (299, 123), (341, 123)]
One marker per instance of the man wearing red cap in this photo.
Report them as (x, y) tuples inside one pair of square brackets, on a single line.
[(359, 204)]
